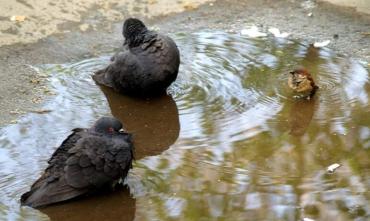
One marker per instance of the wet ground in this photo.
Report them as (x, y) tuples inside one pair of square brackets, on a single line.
[(229, 142)]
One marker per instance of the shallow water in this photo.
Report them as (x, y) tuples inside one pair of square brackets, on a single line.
[(229, 143)]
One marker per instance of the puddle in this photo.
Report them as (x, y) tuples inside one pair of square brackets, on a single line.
[(230, 143)]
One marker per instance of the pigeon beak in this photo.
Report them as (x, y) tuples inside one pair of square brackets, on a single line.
[(122, 131)]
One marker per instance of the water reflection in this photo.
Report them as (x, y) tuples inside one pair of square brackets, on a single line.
[(246, 149), (300, 116), (153, 122), (118, 205)]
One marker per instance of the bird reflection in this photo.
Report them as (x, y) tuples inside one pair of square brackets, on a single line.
[(153, 122), (300, 116), (114, 205)]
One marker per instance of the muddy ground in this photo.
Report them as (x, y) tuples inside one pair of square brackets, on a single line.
[(22, 89)]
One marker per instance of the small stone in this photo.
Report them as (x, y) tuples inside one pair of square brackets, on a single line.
[(333, 167), (84, 27)]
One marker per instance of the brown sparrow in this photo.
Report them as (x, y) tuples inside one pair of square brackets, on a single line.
[(302, 83)]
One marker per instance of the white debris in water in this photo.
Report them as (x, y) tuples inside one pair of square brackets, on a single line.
[(276, 32), (310, 14), (308, 219), (253, 32), (333, 167), (321, 44)]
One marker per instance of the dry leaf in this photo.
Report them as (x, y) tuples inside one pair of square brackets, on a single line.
[(41, 111), (189, 6), (36, 100), (18, 18), (16, 111), (35, 81)]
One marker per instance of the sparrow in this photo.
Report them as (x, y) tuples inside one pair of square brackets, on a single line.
[(302, 83), (87, 161), (148, 64)]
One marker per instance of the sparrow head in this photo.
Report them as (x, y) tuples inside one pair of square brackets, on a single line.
[(133, 30)]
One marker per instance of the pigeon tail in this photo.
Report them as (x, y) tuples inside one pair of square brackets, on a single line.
[(50, 193)]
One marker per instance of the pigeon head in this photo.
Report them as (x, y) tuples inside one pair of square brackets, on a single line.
[(133, 31), (108, 125)]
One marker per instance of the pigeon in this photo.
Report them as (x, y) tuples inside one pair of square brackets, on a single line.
[(87, 161), (148, 64), (301, 81)]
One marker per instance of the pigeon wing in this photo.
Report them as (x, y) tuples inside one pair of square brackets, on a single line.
[(51, 186), (98, 161)]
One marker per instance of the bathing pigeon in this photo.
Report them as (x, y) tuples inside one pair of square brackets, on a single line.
[(87, 161), (148, 64)]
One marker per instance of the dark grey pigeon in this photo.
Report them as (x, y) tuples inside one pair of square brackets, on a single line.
[(87, 161), (147, 66)]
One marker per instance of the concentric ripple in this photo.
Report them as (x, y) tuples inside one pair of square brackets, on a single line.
[(230, 143)]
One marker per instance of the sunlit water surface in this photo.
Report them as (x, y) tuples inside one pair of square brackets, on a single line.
[(229, 143)]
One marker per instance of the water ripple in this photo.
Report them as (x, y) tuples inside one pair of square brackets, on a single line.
[(230, 136)]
